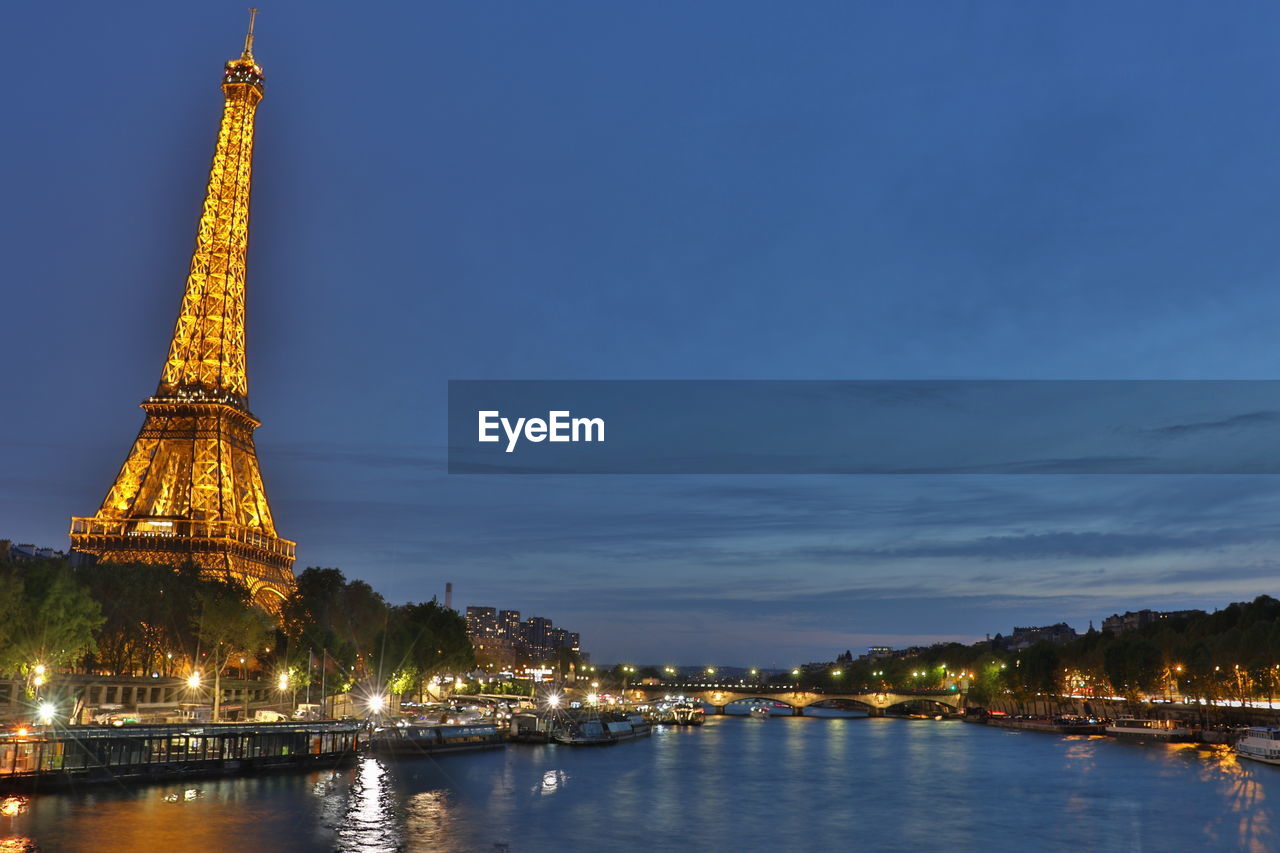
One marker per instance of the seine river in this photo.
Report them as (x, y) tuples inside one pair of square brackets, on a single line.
[(794, 784)]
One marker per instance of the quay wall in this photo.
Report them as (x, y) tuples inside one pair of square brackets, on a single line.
[(1206, 715)]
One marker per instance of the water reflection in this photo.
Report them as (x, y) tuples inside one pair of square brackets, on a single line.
[(14, 806), (1247, 822), (18, 845), (430, 822), (370, 822), (552, 781)]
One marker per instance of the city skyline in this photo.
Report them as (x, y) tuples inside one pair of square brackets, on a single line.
[(535, 196)]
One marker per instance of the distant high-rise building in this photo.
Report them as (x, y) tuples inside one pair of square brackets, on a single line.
[(537, 634), (504, 640), (482, 623), (509, 626)]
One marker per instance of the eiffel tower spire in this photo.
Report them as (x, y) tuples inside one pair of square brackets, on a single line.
[(190, 490)]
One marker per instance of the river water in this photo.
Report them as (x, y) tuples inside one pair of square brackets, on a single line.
[(793, 784)]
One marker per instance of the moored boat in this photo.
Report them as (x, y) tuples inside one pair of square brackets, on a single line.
[(624, 726), (418, 739), (1164, 731), (59, 756), (583, 732), (1259, 744), (529, 727), (689, 715)]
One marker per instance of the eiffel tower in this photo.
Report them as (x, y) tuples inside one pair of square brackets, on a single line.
[(190, 490)]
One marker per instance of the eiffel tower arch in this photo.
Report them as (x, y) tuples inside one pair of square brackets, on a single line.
[(190, 490)]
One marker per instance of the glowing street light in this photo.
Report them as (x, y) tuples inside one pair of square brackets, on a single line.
[(553, 701), (282, 682), (193, 680), (45, 713), (377, 702)]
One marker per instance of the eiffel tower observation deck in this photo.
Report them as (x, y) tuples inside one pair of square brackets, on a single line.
[(190, 491)]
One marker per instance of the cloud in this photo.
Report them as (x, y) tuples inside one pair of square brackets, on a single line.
[(1235, 422)]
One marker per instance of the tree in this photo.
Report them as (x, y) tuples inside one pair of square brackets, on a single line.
[(228, 625), (52, 618)]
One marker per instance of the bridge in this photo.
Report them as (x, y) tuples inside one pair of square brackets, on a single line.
[(874, 702)]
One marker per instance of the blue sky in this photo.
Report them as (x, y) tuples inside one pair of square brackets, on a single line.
[(663, 191)]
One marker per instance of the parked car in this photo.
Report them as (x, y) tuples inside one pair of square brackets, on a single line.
[(263, 716)]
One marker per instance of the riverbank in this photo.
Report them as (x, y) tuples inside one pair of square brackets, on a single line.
[(1204, 716)]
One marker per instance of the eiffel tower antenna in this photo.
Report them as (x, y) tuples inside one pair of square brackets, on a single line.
[(248, 37)]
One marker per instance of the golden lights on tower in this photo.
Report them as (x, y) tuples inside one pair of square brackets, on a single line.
[(190, 489)]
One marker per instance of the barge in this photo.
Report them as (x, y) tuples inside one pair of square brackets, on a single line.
[(1062, 725), (1163, 731), (417, 739), (63, 756)]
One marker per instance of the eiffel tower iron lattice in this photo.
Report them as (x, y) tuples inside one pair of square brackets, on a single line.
[(190, 491)]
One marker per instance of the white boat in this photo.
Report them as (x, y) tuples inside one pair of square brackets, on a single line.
[(1260, 744), (1166, 731), (689, 714), (759, 712)]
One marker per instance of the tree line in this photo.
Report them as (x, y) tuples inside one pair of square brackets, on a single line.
[(1230, 654), (140, 620)]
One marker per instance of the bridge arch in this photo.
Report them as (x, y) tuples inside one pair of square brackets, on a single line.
[(753, 700), (931, 705), (843, 703)]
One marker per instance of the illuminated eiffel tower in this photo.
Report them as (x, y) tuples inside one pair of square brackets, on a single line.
[(190, 491)]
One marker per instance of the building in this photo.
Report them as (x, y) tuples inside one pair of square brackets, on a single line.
[(482, 624), (1022, 638), (1132, 619), (509, 628), (10, 552), (190, 490), (504, 640), (874, 653)]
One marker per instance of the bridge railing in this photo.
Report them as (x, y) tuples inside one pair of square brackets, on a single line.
[(739, 687)]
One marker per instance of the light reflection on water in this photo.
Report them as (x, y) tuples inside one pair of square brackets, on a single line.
[(784, 783), (371, 822)]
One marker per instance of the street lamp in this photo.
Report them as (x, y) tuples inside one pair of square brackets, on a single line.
[(193, 680)]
